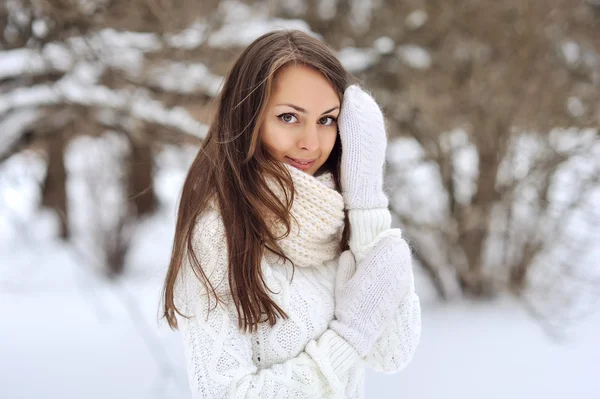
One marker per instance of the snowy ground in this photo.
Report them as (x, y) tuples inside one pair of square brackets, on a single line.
[(65, 333)]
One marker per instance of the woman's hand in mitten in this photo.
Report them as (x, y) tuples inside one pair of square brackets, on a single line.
[(368, 296), (362, 132)]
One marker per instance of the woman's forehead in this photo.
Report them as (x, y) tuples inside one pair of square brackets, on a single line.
[(304, 87)]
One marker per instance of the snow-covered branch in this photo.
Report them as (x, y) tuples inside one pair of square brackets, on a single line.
[(137, 103)]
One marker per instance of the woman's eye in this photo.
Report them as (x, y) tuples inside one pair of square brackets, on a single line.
[(287, 118), (323, 120)]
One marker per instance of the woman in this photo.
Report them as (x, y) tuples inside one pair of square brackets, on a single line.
[(289, 176)]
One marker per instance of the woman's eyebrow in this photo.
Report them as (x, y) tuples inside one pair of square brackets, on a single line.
[(304, 111)]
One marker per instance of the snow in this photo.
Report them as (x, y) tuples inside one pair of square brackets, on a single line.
[(426, 203), (138, 103), (243, 24), (575, 107), (244, 33), (68, 333), (121, 50), (416, 19), (190, 38), (414, 56), (298, 7), (11, 62), (361, 12), (493, 351), (39, 27), (384, 45), (465, 161), (579, 54), (571, 51), (565, 140), (14, 125), (357, 59), (119, 40), (327, 9), (186, 78), (53, 57)]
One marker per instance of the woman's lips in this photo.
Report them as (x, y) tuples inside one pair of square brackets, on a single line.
[(302, 164)]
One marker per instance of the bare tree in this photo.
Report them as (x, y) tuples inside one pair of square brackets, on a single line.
[(82, 68), (471, 85)]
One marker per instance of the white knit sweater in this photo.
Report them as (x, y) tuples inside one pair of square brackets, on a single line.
[(299, 357)]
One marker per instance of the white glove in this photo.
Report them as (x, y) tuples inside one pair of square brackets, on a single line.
[(367, 297), (362, 132)]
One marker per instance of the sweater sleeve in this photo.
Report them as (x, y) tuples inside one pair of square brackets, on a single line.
[(396, 347), (219, 356)]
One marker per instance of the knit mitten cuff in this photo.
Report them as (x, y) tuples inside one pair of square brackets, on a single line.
[(334, 355), (367, 193), (366, 225), (360, 343), (341, 353)]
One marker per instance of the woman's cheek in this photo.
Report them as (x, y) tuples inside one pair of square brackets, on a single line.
[(276, 137), (331, 137)]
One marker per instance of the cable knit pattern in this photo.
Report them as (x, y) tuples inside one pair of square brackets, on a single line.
[(398, 342), (370, 298), (396, 347), (299, 357)]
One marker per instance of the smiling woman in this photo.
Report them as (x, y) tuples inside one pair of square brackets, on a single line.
[(286, 276), (300, 127)]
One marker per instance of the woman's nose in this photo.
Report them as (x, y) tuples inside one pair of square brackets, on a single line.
[(310, 138)]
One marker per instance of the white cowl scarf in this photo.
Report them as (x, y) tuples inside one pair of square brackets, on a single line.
[(317, 220)]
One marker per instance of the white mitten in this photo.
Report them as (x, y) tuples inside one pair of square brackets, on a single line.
[(362, 132), (367, 300)]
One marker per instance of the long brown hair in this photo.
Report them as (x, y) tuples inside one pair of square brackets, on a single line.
[(232, 167)]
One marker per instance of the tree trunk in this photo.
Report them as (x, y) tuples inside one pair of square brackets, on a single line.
[(54, 192), (141, 192)]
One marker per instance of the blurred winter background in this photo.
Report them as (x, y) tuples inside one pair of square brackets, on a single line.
[(493, 167)]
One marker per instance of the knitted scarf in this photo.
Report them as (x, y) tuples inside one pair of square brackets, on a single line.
[(317, 220)]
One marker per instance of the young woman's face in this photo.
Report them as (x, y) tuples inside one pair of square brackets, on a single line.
[(300, 125)]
